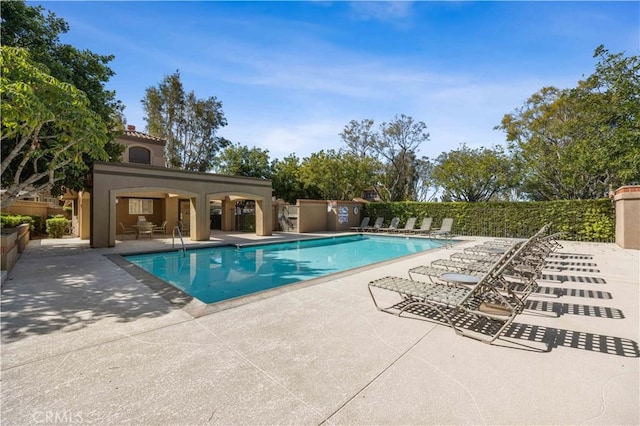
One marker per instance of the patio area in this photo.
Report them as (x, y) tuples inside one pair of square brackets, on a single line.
[(85, 341)]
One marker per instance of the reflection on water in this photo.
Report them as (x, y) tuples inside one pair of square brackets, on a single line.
[(215, 274)]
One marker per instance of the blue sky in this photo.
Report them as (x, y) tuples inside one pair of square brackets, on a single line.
[(291, 75)]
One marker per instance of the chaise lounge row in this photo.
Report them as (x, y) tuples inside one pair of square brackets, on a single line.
[(477, 298), (409, 227)]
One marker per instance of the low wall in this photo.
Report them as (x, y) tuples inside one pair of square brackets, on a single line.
[(23, 236), (13, 241), (343, 215), (8, 249), (312, 215), (33, 208), (321, 215)]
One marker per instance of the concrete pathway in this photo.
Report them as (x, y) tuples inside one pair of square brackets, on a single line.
[(84, 341)]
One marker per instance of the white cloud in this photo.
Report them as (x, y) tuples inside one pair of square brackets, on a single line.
[(291, 87), (385, 11)]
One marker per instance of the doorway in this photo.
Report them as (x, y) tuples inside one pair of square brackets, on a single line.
[(184, 216)]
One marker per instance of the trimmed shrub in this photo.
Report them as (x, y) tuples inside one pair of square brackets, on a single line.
[(579, 220), (57, 226), (13, 220)]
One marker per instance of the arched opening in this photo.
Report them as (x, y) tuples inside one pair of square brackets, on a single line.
[(122, 192), (236, 211)]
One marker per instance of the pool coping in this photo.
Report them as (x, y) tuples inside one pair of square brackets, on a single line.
[(196, 308)]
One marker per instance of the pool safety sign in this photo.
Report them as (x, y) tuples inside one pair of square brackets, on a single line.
[(343, 215)]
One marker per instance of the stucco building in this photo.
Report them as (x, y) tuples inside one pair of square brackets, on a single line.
[(141, 185)]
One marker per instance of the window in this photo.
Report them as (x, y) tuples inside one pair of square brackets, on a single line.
[(140, 206), (139, 155), (370, 195)]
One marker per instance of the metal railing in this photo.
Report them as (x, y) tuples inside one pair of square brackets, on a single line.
[(173, 242)]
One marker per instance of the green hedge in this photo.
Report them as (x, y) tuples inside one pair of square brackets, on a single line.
[(13, 220), (57, 226), (579, 220)]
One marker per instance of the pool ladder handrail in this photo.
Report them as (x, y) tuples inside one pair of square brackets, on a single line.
[(173, 236)]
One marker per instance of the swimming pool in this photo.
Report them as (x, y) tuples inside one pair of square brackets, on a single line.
[(219, 273)]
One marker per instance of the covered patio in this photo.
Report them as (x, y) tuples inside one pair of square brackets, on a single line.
[(163, 194)]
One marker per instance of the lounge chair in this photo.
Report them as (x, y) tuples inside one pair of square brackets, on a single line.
[(408, 226), (518, 279), (376, 226), (445, 229), (162, 229), (126, 230), (481, 311), (363, 224), (425, 227), (393, 226), (529, 260)]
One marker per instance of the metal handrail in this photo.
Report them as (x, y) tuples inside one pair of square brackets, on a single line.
[(173, 243)]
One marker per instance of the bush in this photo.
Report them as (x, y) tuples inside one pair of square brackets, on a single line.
[(39, 225), (578, 220), (13, 220), (57, 226)]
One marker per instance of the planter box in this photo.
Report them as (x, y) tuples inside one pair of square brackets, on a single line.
[(13, 241), (8, 248), (23, 236)]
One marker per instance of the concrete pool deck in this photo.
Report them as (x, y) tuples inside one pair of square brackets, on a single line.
[(84, 341)]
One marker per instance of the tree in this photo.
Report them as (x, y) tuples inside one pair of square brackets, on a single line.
[(29, 28), (286, 179), (187, 123), (337, 175), (473, 175), (425, 186), (397, 145), (47, 125), (578, 143), (359, 137), (394, 146), (239, 160)]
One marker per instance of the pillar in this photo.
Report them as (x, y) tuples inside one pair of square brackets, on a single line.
[(627, 204), (199, 218), (263, 217)]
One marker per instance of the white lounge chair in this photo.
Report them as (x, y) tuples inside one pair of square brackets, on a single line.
[(425, 227), (408, 226), (376, 226), (363, 224), (393, 226)]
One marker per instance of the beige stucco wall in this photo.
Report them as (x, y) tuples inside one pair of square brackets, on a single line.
[(353, 217), (113, 181), (321, 215), (34, 208), (28, 208), (84, 215), (156, 151), (627, 204), (312, 215)]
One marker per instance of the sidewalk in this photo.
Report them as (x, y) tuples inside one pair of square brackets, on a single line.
[(83, 341)]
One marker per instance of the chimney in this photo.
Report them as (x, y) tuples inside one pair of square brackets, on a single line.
[(131, 128)]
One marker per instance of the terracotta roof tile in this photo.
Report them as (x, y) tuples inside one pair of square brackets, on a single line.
[(135, 135)]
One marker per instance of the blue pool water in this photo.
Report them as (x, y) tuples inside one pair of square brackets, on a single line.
[(221, 273)]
